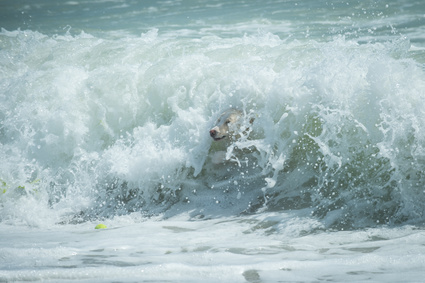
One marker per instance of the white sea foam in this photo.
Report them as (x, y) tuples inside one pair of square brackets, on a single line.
[(128, 120), (111, 124), (268, 247)]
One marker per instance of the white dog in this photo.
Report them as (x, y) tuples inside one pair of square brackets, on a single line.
[(231, 125), (226, 125)]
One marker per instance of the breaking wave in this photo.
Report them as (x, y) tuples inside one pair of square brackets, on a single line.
[(93, 128)]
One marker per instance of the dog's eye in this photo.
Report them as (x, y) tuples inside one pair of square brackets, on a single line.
[(227, 122)]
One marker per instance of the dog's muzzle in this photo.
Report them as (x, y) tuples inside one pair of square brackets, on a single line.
[(213, 134)]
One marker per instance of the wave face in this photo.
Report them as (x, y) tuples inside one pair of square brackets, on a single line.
[(96, 126)]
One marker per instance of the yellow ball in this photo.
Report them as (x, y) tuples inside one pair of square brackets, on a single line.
[(100, 226)]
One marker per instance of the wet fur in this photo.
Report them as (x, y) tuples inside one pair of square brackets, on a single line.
[(226, 125)]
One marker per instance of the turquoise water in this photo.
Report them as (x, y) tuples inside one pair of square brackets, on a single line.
[(104, 117)]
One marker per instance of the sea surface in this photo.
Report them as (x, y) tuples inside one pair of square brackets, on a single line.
[(105, 111)]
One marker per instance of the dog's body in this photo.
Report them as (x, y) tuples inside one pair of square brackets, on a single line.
[(226, 125)]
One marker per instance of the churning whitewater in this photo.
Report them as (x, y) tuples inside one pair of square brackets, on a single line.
[(106, 112)]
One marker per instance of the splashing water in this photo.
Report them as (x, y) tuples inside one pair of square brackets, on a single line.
[(96, 127), (105, 112)]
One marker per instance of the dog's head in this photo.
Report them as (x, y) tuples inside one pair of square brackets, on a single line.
[(226, 124)]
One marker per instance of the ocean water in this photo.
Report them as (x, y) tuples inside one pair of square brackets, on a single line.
[(105, 108)]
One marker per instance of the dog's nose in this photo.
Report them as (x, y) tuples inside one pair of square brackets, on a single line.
[(213, 133)]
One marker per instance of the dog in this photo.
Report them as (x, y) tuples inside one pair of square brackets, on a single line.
[(232, 125), (226, 125)]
